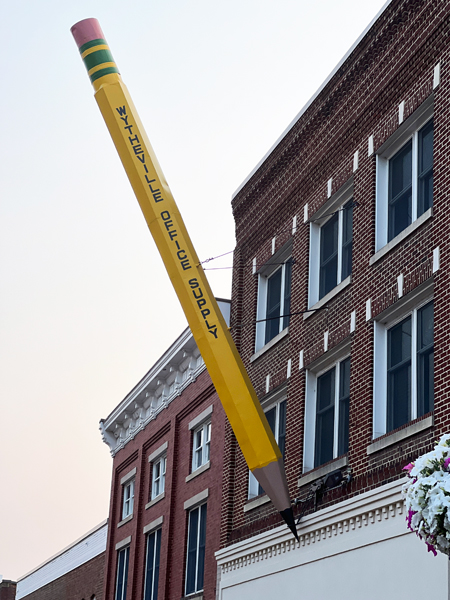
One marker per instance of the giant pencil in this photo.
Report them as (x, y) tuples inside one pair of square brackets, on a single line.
[(205, 319)]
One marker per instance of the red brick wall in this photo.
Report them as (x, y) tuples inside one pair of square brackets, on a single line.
[(392, 64), (7, 590), (82, 583), (170, 425)]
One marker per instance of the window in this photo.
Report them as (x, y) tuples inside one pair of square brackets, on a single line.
[(331, 244), (327, 413), (195, 563), (405, 176), (128, 499), (404, 369), (201, 444), (274, 296), (158, 476), (276, 416), (152, 565), (122, 573)]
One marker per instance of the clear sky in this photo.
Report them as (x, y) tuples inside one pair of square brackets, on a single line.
[(85, 305)]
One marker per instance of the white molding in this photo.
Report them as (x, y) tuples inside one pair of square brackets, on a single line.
[(356, 161), (126, 520), (197, 499), (270, 344), (203, 416), (155, 500), (401, 236), (158, 452), (370, 145), (368, 509), (401, 434), (255, 503), (123, 543), (436, 76), (334, 292), (198, 471), (436, 259), (128, 476), (153, 525), (305, 213)]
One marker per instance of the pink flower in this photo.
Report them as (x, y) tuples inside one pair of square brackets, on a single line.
[(446, 463), (431, 548), (410, 467)]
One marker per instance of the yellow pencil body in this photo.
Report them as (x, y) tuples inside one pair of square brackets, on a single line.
[(204, 317)]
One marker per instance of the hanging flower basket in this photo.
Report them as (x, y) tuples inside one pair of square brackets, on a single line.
[(427, 497)]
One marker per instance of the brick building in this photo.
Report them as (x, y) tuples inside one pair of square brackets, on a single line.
[(7, 589), (75, 573), (167, 440), (340, 313)]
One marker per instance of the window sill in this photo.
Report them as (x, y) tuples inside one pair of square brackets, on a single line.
[(255, 502), (401, 236), (323, 301), (317, 473), (270, 344), (155, 500), (400, 434), (126, 520), (193, 596), (198, 471)]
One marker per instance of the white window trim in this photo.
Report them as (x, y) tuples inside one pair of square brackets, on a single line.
[(334, 204), (162, 461), (400, 310), (205, 445), (315, 370), (128, 504), (408, 130), (277, 261)]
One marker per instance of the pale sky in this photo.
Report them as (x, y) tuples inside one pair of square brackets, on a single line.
[(85, 306)]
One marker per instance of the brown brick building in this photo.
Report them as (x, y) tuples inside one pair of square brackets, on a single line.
[(167, 440), (340, 313), (7, 589)]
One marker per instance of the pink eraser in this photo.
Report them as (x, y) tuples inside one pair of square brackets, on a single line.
[(86, 31)]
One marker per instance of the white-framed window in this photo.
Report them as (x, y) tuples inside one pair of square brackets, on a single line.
[(152, 559), (275, 412), (128, 499), (327, 411), (274, 296), (122, 573), (404, 180), (404, 365), (201, 445), (195, 559), (331, 244), (158, 475)]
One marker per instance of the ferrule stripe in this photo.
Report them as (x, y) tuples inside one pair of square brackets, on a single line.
[(94, 49), (98, 42), (104, 72), (98, 58), (105, 65)]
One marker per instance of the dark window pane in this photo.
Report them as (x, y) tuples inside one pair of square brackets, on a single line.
[(152, 566), (201, 548), (282, 426), (425, 199), (344, 401), (122, 574), (399, 375), (425, 360), (328, 256), (192, 551), (287, 292), (273, 305), (400, 191), (324, 418), (347, 239)]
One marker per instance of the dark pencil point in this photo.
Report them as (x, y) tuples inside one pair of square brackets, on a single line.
[(288, 516)]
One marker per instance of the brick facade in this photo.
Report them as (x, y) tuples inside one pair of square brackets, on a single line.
[(390, 71), (171, 428), (7, 590)]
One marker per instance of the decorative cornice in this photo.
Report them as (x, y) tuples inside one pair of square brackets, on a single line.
[(363, 511), (177, 368)]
